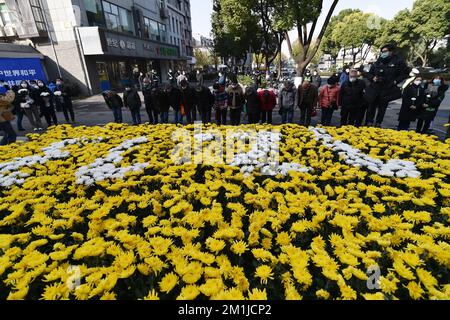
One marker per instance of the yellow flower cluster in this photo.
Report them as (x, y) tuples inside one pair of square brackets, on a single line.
[(188, 231)]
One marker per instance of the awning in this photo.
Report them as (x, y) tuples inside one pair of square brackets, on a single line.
[(9, 50)]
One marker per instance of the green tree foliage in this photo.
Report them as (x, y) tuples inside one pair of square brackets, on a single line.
[(329, 44), (417, 32), (357, 33)]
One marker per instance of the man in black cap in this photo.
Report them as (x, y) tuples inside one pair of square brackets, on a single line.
[(385, 75)]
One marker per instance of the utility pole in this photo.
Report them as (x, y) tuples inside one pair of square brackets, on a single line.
[(52, 43)]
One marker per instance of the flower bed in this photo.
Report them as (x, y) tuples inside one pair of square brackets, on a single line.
[(104, 213)]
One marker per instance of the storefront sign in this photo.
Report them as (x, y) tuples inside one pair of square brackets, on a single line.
[(13, 70), (122, 44)]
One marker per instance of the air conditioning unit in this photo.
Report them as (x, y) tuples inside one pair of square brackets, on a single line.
[(2, 31), (10, 31), (164, 13)]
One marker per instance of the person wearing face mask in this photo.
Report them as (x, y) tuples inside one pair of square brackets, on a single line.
[(150, 105), (132, 101), (188, 102), (28, 106), (164, 103), (344, 75), (316, 79), (434, 95), (308, 98), (220, 103), (175, 103), (351, 99), (204, 101), (288, 100), (115, 103), (236, 102), (253, 105), (329, 100), (46, 103), (385, 75), (63, 100), (413, 101), (7, 98)]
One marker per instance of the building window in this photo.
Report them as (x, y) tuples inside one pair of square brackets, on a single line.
[(94, 13), (37, 14), (162, 32), (151, 30), (154, 30), (173, 24), (117, 18), (5, 17)]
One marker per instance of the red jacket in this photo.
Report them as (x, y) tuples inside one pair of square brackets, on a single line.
[(271, 103), (328, 96)]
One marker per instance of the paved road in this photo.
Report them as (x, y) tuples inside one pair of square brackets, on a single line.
[(93, 112)]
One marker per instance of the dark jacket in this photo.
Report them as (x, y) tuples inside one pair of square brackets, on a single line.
[(389, 70), (352, 94), (204, 99), (132, 100), (114, 101), (317, 80), (175, 99), (308, 97), (433, 98), (163, 101), (148, 100), (410, 92), (188, 98), (253, 103)]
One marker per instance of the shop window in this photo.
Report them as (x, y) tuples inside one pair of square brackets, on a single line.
[(94, 13), (117, 18)]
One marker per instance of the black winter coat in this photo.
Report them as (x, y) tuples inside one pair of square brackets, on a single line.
[(114, 102), (132, 100), (175, 99), (204, 99), (163, 101), (352, 94), (412, 91), (434, 100), (253, 103), (389, 70), (148, 100), (188, 98)]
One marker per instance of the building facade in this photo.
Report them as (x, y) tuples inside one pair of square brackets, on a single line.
[(101, 44)]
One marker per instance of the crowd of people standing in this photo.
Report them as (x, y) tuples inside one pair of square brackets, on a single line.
[(35, 101), (361, 98)]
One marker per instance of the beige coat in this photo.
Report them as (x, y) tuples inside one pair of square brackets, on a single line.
[(6, 103)]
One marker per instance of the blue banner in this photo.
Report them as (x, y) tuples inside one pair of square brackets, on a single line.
[(14, 70)]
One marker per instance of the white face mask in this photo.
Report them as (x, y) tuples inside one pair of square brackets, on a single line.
[(353, 79), (23, 85), (418, 82)]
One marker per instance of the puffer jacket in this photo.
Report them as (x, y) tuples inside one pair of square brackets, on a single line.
[(6, 103), (288, 98)]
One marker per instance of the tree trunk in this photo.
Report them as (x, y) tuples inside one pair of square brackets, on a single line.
[(280, 65), (289, 44)]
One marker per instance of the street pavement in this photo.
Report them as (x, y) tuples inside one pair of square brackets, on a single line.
[(94, 112)]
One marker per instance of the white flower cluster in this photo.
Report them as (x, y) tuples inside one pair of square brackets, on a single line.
[(264, 156), (57, 93), (354, 157), (23, 91), (105, 168), (9, 171), (45, 94)]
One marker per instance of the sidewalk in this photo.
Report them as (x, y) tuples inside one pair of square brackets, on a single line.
[(94, 112)]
